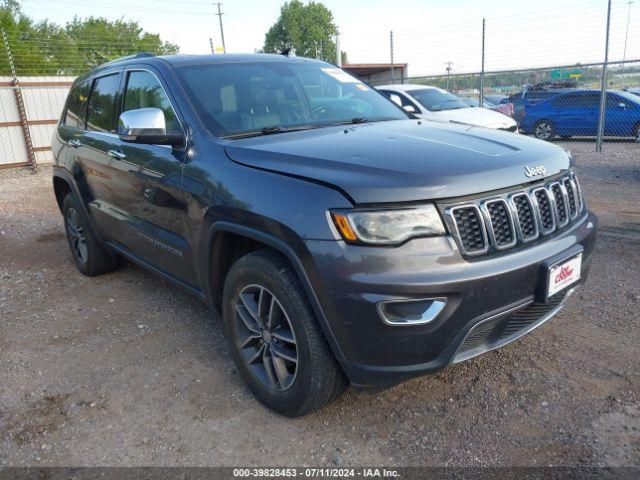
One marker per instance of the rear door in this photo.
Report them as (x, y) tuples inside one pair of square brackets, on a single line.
[(98, 178), (72, 124), (575, 113)]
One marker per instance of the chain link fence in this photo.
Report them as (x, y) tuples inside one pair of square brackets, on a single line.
[(36, 73), (558, 102), (501, 63)]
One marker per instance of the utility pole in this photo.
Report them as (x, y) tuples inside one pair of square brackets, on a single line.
[(603, 85), (393, 77), (626, 37), (481, 97), (219, 14), (448, 69)]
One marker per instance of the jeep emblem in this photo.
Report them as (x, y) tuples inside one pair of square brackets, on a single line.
[(535, 171)]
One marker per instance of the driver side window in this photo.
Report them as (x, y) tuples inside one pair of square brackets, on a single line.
[(145, 91), (400, 100)]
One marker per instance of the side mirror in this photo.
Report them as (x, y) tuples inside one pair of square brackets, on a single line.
[(147, 126), (410, 108)]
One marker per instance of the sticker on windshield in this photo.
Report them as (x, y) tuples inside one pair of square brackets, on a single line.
[(340, 75)]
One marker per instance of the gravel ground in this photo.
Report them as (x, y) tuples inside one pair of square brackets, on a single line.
[(126, 370)]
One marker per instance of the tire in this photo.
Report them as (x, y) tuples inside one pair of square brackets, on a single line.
[(90, 257), (636, 133), (266, 361), (544, 130)]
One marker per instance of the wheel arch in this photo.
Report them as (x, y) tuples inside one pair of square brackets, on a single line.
[(63, 184), (219, 238), (61, 188)]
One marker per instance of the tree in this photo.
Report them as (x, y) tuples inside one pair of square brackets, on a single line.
[(99, 40), (46, 48), (308, 29)]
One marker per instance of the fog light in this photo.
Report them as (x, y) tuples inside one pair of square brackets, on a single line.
[(411, 312)]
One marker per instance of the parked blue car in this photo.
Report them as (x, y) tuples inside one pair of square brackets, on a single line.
[(575, 113)]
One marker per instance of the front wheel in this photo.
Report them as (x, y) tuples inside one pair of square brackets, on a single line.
[(544, 130), (275, 339), (636, 133)]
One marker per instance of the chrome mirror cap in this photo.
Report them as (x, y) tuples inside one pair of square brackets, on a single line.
[(142, 121)]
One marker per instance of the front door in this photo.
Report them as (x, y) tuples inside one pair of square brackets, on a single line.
[(153, 198)]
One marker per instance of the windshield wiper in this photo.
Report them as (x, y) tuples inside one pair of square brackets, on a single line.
[(360, 120), (270, 130)]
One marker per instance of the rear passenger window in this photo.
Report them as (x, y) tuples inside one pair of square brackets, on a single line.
[(145, 91), (578, 100), (101, 112), (569, 101), (77, 105)]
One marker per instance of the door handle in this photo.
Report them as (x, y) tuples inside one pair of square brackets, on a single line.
[(75, 143), (117, 154)]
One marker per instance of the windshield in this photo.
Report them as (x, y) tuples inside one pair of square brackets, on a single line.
[(270, 97), (436, 100)]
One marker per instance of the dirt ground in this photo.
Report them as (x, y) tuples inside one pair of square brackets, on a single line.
[(125, 369)]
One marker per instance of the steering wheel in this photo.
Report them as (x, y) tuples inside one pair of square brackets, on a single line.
[(316, 111), (338, 112)]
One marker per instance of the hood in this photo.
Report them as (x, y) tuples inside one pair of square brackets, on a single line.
[(402, 160), (475, 116)]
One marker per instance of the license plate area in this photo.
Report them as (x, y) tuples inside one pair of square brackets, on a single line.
[(560, 274)]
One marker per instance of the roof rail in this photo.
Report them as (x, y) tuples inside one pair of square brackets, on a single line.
[(130, 57)]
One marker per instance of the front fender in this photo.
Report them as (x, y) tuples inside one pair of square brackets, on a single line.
[(297, 256)]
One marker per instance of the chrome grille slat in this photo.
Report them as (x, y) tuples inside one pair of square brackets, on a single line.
[(470, 229), (500, 225), (561, 203), (544, 203), (572, 197), (502, 221), (526, 220)]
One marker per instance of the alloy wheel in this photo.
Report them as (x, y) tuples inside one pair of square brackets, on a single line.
[(265, 338), (543, 131), (76, 236)]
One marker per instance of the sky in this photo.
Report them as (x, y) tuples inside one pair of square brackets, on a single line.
[(427, 33)]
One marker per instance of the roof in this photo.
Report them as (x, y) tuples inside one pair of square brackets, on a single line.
[(407, 87), (371, 68), (190, 60)]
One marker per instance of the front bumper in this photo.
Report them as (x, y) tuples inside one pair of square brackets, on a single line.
[(351, 281)]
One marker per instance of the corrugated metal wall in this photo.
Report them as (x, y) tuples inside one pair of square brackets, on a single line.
[(44, 99)]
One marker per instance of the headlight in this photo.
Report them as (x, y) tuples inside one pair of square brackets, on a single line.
[(387, 227)]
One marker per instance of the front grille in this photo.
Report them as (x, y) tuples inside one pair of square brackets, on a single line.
[(502, 221), (526, 216), (571, 196), (561, 207), (547, 222), (502, 329), (471, 230)]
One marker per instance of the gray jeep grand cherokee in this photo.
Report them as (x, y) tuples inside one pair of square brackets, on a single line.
[(342, 239)]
